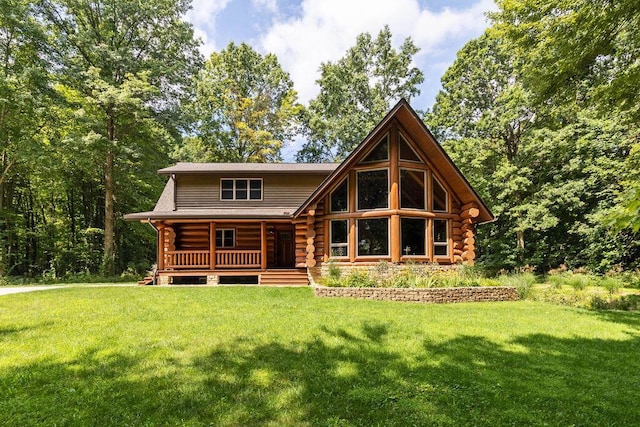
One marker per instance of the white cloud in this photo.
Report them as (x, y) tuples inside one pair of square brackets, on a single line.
[(203, 17), (327, 28), (270, 5)]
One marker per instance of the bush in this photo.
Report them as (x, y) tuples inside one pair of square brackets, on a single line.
[(360, 279), (523, 282)]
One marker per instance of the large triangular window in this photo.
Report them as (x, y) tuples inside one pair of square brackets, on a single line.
[(379, 153)]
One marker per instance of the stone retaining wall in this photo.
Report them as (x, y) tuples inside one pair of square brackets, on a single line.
[(433, 295)]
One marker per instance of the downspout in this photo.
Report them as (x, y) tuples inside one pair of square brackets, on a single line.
[(154, 273), (173, 178)]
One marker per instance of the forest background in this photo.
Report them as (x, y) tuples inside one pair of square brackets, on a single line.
[(540, 113)]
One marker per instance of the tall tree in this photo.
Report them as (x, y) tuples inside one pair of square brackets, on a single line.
[(23, 97), (576, 50), (129, 59), (356, 92), (245, 108)]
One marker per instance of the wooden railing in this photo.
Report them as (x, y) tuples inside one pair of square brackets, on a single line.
[(237, 258), (179, 260), (187, 259)]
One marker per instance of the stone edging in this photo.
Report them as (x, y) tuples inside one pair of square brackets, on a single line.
[(431, 295)]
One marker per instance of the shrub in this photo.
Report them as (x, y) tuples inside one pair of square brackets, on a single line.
[(360, 279), (611, 284), (523, 283)]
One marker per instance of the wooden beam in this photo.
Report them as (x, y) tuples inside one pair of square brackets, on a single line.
[(212, 245), (396, 250), (352, 240), (263, 245), (394, 169)]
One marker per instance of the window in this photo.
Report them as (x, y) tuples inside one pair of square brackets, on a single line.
[(339, 238), (439, 195), (373, 236), (379, 153), (373, 189), (440, 237), (225, 238), (413, 236), (412, 189), (340, 197), (406, 152), (240, 189)]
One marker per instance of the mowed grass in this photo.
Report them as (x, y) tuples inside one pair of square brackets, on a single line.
[(242, 356)]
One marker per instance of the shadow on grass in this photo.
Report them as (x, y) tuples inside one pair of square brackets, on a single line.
[(340, 377)]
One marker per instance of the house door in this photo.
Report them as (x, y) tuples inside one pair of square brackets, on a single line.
[(284, 249)]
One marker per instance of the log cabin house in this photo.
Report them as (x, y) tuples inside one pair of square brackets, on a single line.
[(396, 197)]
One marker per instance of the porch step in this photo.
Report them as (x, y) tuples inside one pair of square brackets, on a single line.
[(146, 281), (284, 277)]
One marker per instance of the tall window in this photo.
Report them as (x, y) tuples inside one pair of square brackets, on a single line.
[(340, 197), (339, 238), (373, 236), (240, 189), (412, 189), (373, 189), (440, 200), (225, 238), (413, 236), (440, 237)]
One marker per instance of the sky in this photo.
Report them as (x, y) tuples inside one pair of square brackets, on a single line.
[(305, 33)]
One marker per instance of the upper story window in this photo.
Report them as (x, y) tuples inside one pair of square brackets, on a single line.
[(373, 189), (340, 197), (240, 189), (379, 153), (412, 194), (440, 196), (406, 152)]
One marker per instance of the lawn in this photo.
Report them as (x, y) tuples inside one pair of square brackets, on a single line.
[(259, 356)]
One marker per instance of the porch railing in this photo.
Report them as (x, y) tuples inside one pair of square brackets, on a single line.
[(236, 259), (182, 260), (187, 259)]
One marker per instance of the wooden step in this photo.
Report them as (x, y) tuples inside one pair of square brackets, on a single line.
[(284, 277), (146, 281)]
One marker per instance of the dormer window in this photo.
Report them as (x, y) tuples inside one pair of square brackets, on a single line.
[(240, 189)]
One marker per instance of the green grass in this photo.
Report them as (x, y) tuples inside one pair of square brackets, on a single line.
[(258, 356)]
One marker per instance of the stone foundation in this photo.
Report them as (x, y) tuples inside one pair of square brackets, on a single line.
[(429, 295)]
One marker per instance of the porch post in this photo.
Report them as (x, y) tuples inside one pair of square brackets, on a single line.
[(212, 245), (160, 246), (263, 245)]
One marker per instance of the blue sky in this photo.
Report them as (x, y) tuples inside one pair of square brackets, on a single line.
[(305, 33)]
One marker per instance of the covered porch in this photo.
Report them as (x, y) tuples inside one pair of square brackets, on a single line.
[(220, 249)]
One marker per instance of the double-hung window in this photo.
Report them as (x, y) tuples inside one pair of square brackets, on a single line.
[(440, 237), (225, 238), (339, 238), (240, 189)]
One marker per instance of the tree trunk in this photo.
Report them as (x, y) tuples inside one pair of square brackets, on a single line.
[(109, 234), (520, 237)]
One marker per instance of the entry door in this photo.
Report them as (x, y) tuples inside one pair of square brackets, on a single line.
[(284, 249)]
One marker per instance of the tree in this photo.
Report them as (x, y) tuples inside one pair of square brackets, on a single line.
[(482, 99), (356, 92), (245, 107), (576, 50), (23, 96), (130, 60)]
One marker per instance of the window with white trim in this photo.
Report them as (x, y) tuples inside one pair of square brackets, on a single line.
[(339, 238), (412, 232), (440, 196), (373, 236), (440, 237), (240, 189), (225, 238), (412, 194), (340, 197), (373, 189)]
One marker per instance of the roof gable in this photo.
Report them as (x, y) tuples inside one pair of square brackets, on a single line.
[(410, 124)]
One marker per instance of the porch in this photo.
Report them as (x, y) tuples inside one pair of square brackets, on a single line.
[(221, 251)]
